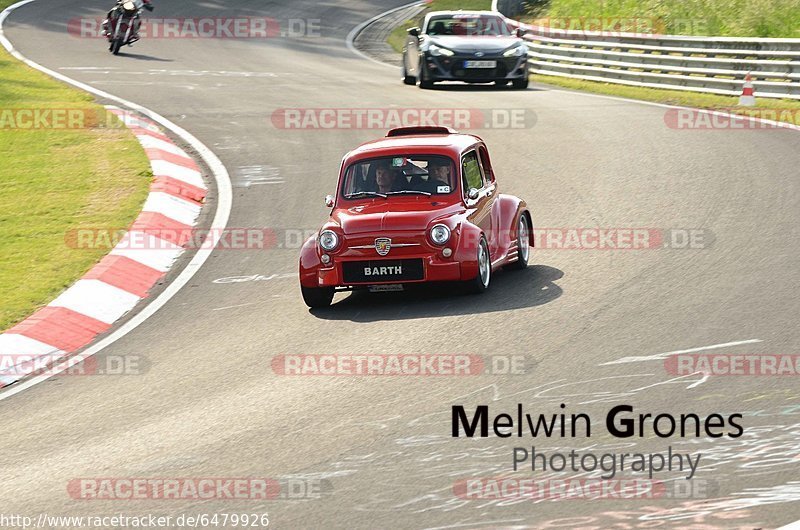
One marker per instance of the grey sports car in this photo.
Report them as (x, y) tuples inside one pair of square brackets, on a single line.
[(469, 46)]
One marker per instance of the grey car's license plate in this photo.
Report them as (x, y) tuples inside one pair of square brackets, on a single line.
[(480, 64)]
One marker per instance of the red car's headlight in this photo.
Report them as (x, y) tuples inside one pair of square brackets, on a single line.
[(440, 234), (328, 240)]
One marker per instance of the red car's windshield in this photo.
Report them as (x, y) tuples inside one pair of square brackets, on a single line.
[(468, 25), (400, 175)]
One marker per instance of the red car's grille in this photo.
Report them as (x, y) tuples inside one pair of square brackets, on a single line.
[(367, 247)]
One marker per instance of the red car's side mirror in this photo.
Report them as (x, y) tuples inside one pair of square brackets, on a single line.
[(329, 201)]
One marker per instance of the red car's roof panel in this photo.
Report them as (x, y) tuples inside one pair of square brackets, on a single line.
[(452, 144)]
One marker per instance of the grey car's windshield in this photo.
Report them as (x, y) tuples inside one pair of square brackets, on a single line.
[(468, 25)]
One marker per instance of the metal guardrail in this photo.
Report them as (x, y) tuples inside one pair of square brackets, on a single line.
[(714, 65)]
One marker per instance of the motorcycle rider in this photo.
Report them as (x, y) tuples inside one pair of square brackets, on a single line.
[(128, 5)]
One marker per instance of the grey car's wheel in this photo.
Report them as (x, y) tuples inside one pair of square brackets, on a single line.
[(521, 83), (408, 79), (424, 82), (484, 277), (316, 297), (523, 244)]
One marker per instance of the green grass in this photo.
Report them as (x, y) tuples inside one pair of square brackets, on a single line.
[(738, 18), (680, 98), (397, 38), (52, 181)]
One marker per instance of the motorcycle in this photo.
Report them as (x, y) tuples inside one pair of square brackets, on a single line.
[(122, 25)]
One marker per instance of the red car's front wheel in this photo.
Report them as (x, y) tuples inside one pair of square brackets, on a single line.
[(484, 277), (316, 297)]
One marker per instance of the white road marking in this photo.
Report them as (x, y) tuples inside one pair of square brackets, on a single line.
[(658, 356), (700, 382), (149, 142), (89, 68), (218, 224), (11, 344), (13, 349), (256, 278), (235, 306), (187, 175), (97, 300), (257, 176), (144, 248), (181, 210)]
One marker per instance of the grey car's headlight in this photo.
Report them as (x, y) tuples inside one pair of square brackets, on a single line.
[(440, 234), (328, 240), (437, 51), (517, 51)]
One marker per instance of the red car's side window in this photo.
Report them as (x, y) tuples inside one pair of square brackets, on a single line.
[(486, 164), (471, 172)]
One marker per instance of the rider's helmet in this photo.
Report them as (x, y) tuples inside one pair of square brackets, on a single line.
[(132, 6)]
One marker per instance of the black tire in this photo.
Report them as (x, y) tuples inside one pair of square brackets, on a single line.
[(115, 46), (424, 82), (408, 79), (481, 282), (317, 297), (523, 244), (521, 83)]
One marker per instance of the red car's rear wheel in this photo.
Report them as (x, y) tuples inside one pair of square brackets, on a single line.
[(523, 244)]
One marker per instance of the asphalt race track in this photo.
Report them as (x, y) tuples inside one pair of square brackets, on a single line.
[(210, 404)]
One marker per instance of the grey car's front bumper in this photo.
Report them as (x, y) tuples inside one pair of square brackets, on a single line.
[(442, 68)]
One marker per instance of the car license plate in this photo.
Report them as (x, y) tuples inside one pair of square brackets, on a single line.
[(386, 288), (378, 271), (480, 64)]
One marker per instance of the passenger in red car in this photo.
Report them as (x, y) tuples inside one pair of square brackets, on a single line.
[(440, 171), (385, 178)]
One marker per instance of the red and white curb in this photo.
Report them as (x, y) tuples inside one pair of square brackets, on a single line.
[(125, 276)]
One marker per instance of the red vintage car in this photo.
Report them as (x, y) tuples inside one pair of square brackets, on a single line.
[(420, 205)]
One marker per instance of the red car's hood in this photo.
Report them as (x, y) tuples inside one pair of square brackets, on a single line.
[(381, 216)]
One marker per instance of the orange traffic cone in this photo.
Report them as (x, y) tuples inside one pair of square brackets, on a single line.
[(748, 98)]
